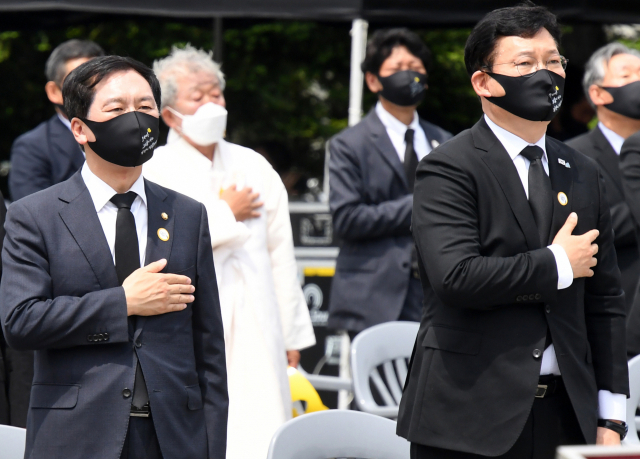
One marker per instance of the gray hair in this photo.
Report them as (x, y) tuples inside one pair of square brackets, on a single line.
[(596, 67), (180, 61), (55, 68)]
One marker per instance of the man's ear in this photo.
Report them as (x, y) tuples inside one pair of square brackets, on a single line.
[(480, 83), (599, 96), (170, 119), (373, 83), (54, 93), (81, 132)]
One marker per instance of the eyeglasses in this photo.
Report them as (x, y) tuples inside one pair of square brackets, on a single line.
[(528, 66)]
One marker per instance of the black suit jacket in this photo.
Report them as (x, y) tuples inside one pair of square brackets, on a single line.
[(477, 357), (43, 157), (371, 208), (60, 296), (630, 171), (595, 145)]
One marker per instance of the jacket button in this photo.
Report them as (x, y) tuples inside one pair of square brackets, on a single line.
[(532, 297), (519, 298), (100, 337), (537, 353), (405, 265), (547, 309), (138, 344), (126, 393), (538, 296), (90, 338), (106, 336)]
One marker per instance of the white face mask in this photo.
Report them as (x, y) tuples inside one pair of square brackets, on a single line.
[(206, 126)]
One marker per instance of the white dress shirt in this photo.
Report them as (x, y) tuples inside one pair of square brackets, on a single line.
[(615, 139), (611, 406), (396, 130), (101, 193)]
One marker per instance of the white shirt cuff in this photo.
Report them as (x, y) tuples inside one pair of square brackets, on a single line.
[(612, 406), (565, 273)]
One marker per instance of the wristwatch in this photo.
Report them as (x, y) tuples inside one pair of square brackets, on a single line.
[(621, 428)]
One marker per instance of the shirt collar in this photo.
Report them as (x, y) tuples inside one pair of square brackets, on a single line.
[(394, 124), (101, 193), (615, 139), (64, 121), (512, 143)]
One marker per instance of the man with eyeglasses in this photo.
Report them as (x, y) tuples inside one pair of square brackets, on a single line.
[(525, 348), (612, 85)]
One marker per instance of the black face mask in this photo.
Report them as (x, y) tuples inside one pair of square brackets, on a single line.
[(404, 88), (626, 100), (535, 98), (127, 140)]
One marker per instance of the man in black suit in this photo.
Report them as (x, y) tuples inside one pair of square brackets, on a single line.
[(524, 348), (613, 75), (48, 154), (40, 158), (372, 169), (110, 279)]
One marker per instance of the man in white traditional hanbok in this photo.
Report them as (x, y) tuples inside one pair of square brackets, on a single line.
[(266, 319)]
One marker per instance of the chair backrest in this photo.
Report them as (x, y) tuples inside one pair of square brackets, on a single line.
[(633, 400), (388, 346), (338, 433), (12, 442)]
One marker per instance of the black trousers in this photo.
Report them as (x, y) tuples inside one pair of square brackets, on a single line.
[(141, 441), (551, 423)]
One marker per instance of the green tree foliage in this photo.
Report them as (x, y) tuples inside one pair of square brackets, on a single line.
[(287, 81)]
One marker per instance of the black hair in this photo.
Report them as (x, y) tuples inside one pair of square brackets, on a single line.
[(78, 90), (381, 45), (54, 69), (524, 20)]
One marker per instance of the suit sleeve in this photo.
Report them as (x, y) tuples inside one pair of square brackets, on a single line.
[(623, 225), (30, 168), (353, 217), (209, 345), (32, 318), (445, 223), (605, 311), (630, 172)]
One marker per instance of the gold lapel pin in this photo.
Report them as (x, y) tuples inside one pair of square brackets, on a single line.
[(164, 216), (163, 234), (562, 199)]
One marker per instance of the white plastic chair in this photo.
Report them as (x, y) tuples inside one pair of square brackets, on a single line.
[(338, 433), (387, 345), (12, 442), (633, 401)]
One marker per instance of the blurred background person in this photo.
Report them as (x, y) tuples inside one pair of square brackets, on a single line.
[(265, 316), (48, 154), (612, 84), (372, 171), (40, 158)]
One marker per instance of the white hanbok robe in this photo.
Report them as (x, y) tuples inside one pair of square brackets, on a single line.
[(263, 308)]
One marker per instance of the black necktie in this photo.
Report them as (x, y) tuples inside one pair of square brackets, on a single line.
[(127, 261), (410, 159), (540, 194), (540, 200)]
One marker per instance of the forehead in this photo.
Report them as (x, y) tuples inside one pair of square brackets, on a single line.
[(192, 80), (126, 83), (542, 41), (400, 52), (621, 62)]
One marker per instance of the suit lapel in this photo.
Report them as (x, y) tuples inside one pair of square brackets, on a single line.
[(501, 165), (157, 249), (81, 219), (607, 157), (561, 182), (383, 145)]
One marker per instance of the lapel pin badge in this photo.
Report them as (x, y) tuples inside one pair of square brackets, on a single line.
[(435, 144), (163, 234), (564, 163), (164, 216), (562, 199)]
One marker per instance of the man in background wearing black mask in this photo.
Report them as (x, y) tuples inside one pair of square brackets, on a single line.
[(524, 348), (372, 171), (612, 85), (109, 278)]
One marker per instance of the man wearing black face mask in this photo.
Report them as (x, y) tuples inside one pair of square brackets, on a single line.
[(372, 172), (524, 349), (109, 278), (612, 85)]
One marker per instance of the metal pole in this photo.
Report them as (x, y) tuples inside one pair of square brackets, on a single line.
[(217, 39), (358, 46)]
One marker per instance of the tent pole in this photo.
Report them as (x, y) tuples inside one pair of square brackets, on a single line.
[(358, 45), (217, 39)]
